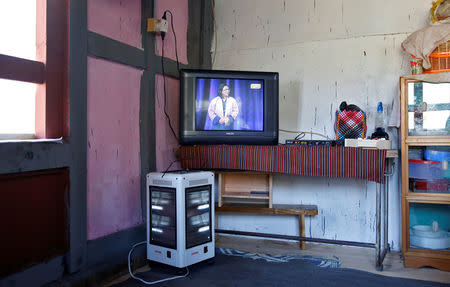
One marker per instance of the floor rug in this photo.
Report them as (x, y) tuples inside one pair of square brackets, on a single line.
[(241, 271), (318, 261)]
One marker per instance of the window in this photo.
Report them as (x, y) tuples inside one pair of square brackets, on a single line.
[(33, 69)]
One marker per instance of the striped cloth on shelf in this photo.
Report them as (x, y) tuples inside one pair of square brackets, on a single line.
[(367, 164)]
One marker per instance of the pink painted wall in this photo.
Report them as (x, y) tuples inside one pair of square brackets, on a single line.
[(113, 156), (113, 160), (165, 140), (116, 19), (180, 11)]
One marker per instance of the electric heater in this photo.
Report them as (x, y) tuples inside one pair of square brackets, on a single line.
[(180, 209)]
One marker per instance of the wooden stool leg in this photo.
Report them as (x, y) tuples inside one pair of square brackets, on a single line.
[(301, 230), (220, 188), (215, 225)]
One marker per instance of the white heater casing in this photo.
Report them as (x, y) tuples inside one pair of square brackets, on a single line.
[(181, 183)]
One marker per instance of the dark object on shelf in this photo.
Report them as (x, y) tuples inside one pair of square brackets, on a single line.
[(429, 186), (315, 142), (350, 122), (379, 134)]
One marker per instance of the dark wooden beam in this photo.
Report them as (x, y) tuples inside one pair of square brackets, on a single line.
[(112, 50), (18, 69), (170, 67)]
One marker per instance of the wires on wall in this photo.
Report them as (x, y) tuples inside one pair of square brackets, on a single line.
[(213, 4), (162, 66)]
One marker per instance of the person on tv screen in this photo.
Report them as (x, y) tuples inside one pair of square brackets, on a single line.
[(223, 109)]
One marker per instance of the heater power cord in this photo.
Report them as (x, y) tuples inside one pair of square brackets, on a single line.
[(150, 282)]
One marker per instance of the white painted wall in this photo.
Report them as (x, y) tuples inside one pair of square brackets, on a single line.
[(326, 51)]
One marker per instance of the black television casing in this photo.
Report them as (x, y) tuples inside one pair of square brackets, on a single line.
[(188, 135)]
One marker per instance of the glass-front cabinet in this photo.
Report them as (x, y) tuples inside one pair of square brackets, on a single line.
[(425, 144)]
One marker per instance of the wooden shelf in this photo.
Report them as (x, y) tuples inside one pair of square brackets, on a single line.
[(245, 187), (244, 196)]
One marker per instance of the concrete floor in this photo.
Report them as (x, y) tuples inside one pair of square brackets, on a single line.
[(350, 257), (360, 258)]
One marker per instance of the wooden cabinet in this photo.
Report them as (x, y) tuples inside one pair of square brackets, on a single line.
[(425, 159), (245, 187)]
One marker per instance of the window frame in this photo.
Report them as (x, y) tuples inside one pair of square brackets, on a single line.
[(49, 71)]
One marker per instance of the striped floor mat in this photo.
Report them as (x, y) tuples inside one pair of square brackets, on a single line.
[(333, 262)]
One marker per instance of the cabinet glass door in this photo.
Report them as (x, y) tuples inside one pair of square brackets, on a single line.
[(198, 216), (428, 109), (428, 169), (163, 217), (429, 226)]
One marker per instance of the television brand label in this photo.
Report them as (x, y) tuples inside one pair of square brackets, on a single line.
[(229, 134)]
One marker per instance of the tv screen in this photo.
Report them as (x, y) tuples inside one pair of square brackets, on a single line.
[(228, 107), (229, 104)]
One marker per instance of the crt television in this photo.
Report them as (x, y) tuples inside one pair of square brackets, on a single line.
[(228, 107)]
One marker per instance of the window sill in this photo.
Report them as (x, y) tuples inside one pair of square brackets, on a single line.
[(27, 139)]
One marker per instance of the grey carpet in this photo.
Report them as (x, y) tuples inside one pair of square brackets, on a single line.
[(238, 271)]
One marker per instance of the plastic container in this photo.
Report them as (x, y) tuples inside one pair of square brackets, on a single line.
[(440, 59), (427, 231), (425, 169), (416, 66), (429, 236), (437, 154), (430, 242), (430, 186), (379, 117), (416, 153)]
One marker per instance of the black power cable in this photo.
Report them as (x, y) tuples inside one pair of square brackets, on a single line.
[(162, 65)]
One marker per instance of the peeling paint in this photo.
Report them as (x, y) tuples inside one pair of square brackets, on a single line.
[(323, 225), (315, 116), (335, 89)]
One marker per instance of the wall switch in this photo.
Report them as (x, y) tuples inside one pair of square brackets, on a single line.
[(156, 25)]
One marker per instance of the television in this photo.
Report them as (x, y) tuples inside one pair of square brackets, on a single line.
[(228, 107)]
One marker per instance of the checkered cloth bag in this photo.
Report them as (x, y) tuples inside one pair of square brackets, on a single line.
[(350, 122)]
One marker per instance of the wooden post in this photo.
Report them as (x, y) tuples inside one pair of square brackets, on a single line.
[(270, 190), (301, 229)]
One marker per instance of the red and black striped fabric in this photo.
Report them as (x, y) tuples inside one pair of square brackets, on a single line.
[(299, 160)]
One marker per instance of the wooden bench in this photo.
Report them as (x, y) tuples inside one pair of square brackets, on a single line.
[(278, 209)]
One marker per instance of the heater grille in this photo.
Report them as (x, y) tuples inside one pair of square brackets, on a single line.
[(162, 182), (196, 182)]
